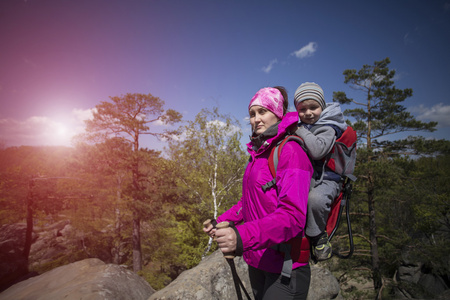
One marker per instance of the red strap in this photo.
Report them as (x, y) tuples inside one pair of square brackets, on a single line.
[(271, 163), (300, 249)]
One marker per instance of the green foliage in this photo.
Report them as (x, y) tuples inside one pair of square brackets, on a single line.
[(380, 167), (59, 261), (157, 278), (210, 162), (119, 124), (430, 212), (381, 113), (19, 169), (128, 116)]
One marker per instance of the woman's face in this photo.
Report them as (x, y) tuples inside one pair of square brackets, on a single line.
[(261, 119)]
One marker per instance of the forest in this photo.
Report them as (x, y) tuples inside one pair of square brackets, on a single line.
[(145, 208)]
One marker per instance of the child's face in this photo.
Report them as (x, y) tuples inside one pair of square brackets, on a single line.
[(309, 111)]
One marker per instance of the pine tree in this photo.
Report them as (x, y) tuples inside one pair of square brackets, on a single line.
[(378, 116), (128, 117)]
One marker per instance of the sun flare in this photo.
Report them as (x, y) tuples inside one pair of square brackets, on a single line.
[(61, 130)]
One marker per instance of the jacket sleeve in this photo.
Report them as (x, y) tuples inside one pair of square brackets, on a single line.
[(319, 143), (233, 214), (288, 220)]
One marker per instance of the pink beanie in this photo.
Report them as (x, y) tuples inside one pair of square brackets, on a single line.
[(269, 98)]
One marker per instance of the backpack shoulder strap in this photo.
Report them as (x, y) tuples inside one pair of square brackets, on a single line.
[(296, 243), (274, 158), (277, 153)]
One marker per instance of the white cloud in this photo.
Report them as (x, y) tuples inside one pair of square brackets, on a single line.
[(438, 113), (43, 131), (160, 122), (407, 39), (306, 51), (211, 126), (33, 131), (232, 129), (82, 115), (270, 66), (181, 137)]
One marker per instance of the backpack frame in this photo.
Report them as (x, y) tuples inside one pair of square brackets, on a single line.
[(341, 160)]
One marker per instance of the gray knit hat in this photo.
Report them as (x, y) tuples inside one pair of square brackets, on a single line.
[(309, 91)]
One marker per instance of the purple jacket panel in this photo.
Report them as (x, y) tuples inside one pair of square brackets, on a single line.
[(279, 214)]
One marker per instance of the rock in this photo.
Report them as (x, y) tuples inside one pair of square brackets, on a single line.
[(412, 275), (409, 272), (54, 241), (87, 279), (13, 264), (444, 295), (433, 283), (323, 285), (212, 279)]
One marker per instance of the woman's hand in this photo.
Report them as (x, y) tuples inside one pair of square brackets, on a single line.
[(209, 230), (226, 239)]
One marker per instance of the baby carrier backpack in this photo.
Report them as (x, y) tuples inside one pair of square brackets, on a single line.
[(341, 160)]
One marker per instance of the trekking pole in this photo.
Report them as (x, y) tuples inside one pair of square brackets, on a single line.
[(230, 260)]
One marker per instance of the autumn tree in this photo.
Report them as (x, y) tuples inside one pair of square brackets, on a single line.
[(129, 117), (378, 115)]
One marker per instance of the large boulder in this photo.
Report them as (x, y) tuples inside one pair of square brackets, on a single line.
[(49, 243), (87, 279), (212, 279), (416, 279)]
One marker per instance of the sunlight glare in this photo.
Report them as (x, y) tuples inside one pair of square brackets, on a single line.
[(61, 130)]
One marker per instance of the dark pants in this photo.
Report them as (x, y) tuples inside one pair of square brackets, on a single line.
[(268, 286)]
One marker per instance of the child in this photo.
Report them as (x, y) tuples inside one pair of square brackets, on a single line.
[(320, 125)]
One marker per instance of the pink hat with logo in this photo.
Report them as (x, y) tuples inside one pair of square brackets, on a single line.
[(269, 98)]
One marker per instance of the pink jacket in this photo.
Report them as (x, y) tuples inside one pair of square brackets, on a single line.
[(279, 214)]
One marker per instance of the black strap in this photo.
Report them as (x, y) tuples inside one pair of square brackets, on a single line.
[(287, 263), (237, 281), (269, 185)]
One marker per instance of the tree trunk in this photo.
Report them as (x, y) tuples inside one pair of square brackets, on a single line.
[(137, 252), (137, 249), (117, 251), (373, 237), (29, 230)]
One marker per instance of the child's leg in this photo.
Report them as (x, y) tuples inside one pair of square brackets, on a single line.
[(319, 205)]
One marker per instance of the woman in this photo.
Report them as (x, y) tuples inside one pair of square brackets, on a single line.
[(278, 215)]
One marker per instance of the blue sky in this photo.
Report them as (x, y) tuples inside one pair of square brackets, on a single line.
[(60, 58)]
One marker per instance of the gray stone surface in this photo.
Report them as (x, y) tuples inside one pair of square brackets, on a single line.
[(212, 279), (89, 279)]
